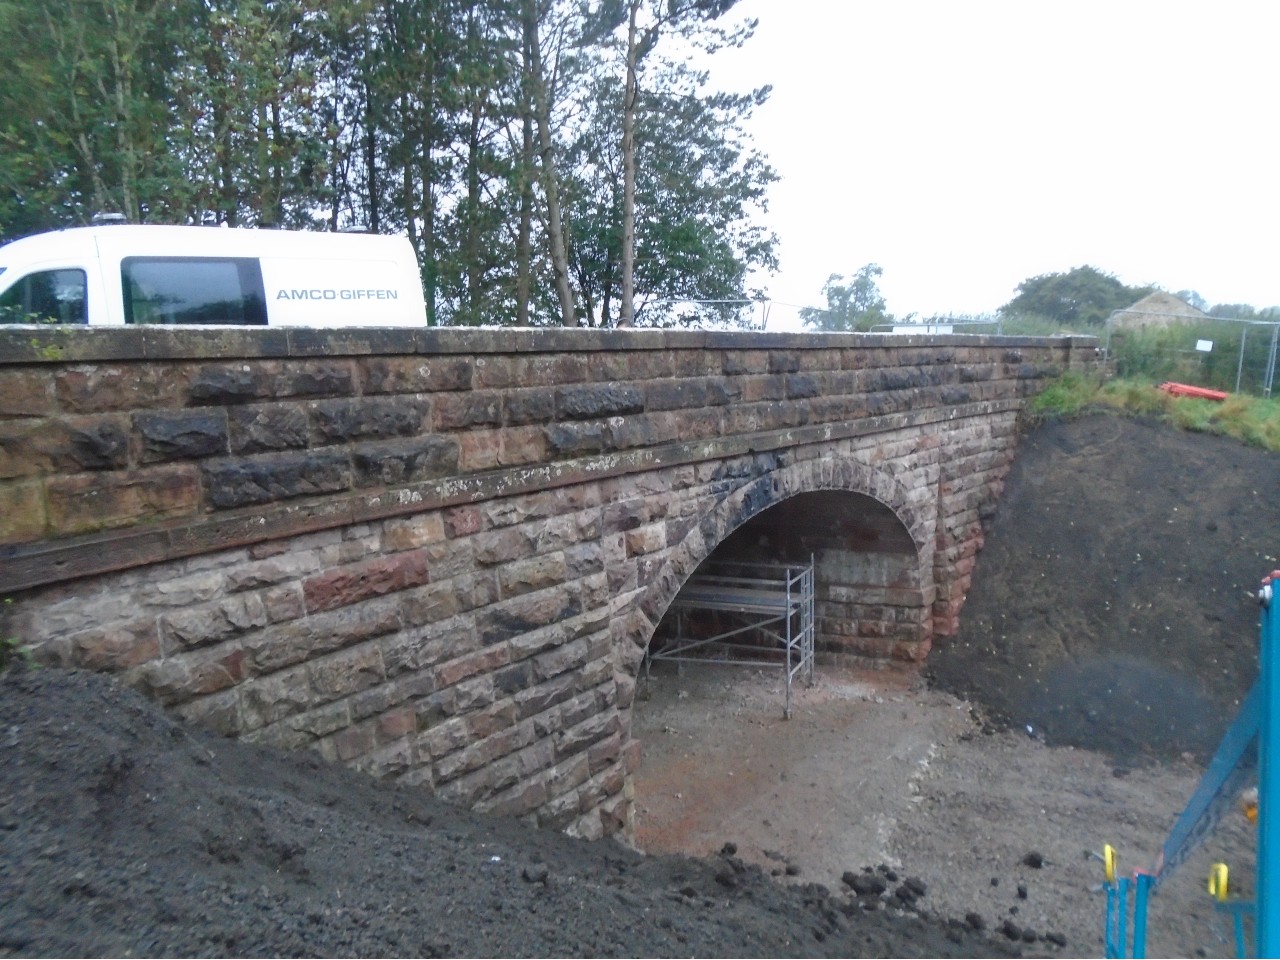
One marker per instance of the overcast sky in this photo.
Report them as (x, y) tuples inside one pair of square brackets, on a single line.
[(967, 146)]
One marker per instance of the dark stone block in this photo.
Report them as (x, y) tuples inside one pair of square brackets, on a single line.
[(316, 380), (669, 394), (512, 679), (181, 435), (238, 483), (573, 439), (952, 395), (529, 406), (336, 421), (592, 401), (232, 383), (405, 461), (801, 386), (103, 445), (784, 362), (262, 427)]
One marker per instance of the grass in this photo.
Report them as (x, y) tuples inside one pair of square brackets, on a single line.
[(1254, 420)]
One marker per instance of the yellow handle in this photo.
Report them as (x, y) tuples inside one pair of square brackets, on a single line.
[(1218, 881), (1109, 862)]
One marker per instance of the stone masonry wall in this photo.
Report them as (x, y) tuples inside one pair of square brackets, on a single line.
[(439, 555)]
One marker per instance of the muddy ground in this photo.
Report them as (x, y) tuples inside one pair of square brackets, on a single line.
[(1110, 613)]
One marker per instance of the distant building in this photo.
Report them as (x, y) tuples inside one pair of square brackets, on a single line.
[(1157, 309)]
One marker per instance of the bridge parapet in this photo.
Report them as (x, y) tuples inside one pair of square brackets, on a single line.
[(437, 554)]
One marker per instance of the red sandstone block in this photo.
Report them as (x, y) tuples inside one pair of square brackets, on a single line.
[(479, 450), (462, 521), (482, 661), (397, 723), (370, 578)]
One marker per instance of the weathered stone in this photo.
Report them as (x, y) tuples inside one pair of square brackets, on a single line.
[(341, 674), (314, 379), (535, 405), (202, 626), (22, 512), (26, 393), (261, 427), (593, 401), (229, 384), (81, 503), (343, 420), (242, 482), (181, 434), (359, 581), (97, 443), (524, 614), (415, 374), (405, 461), (464, 410)]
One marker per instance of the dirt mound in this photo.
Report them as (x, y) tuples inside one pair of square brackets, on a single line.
[(1113, 605), (123, 832)]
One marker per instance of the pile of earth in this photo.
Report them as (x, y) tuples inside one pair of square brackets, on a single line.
[(126, 833), (1114, 604), (1117, 575)]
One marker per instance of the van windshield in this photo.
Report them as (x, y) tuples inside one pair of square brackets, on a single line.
[(193, 290), (50, 296)]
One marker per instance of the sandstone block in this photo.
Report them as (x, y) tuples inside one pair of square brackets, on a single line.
[(81, 503), (22, 511)]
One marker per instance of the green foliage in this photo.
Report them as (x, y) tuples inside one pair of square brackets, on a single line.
[(1169, 353), (396, 116), (1080, 299), (1254, 420), (855, 305)]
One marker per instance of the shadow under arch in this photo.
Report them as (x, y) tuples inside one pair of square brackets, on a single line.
[(751, 500)]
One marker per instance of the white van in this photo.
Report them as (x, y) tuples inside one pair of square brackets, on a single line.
[(123, 274)]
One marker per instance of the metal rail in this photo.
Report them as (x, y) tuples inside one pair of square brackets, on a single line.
[(770, 601)]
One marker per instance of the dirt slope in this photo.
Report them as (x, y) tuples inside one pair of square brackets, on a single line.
[(1113, 605)]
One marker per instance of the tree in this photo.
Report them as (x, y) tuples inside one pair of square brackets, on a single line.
[(1083, 297), (1193, 299), (853, 306)]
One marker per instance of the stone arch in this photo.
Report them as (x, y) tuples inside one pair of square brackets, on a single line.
[(746, 502)]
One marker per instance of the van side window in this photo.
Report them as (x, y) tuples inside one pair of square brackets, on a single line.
[(193, 290), (50, 296)]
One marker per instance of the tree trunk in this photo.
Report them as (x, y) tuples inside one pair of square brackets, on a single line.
[(626, 309), (547, 165)]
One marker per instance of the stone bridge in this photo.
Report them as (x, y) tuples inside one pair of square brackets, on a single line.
[(439, 555)]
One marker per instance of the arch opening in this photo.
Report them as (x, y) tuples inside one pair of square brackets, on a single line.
[(871, 596)]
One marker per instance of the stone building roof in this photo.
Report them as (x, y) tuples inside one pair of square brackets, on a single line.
[(1157, 309)]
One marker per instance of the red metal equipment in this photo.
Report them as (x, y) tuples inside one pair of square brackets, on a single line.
[(1187, 390)]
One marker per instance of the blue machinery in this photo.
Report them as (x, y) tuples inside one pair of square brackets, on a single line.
[(1252, 733)]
